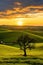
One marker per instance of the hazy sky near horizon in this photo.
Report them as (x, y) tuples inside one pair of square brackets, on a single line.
[(29, 12)]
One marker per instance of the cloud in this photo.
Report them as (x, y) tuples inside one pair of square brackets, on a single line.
[(20, 8), (28, 11), (10, 4), (17, 3)]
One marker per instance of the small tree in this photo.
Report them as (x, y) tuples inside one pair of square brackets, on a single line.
[(25, 42)]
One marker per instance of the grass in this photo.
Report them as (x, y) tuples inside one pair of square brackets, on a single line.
[(14, 56), (40, 33), (12, 35), (9, 50)]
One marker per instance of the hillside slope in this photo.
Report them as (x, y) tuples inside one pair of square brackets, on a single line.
[(9, 50), (11, 36)]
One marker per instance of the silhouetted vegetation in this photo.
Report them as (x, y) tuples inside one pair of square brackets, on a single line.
[(25, 42)]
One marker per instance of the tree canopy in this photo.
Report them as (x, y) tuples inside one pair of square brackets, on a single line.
[(25, 41)]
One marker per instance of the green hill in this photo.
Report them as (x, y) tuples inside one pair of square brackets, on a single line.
[(6, 50), (12, 35), (9, 36), (9, 51), (13, 56)]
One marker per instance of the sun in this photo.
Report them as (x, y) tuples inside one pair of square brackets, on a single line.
[(20, 23)]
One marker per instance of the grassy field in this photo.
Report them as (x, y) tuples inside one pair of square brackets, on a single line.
[(40, 33), (14, 56), (12, 35)]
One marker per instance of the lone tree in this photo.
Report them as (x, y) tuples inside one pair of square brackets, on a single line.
[(25, 42)]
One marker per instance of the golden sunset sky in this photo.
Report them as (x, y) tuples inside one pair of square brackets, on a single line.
[(21, 12), (33, 20)]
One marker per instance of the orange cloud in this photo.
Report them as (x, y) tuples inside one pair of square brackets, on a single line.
[(18, 3), (28, 11)]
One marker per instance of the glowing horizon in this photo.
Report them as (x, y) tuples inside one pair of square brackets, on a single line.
[(36, 20), (21, 12)]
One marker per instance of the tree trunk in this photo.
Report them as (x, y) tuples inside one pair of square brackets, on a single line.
[(25, 52)]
